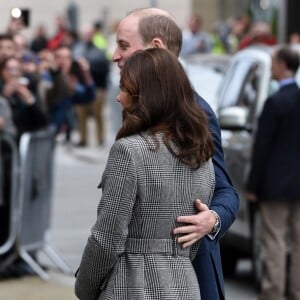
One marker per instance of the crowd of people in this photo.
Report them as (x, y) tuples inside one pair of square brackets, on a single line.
[(225, 37), (58, 81), (56, 69)]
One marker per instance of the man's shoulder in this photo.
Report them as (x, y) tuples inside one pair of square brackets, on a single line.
[(205, 106), (292, 87), (285, 93)]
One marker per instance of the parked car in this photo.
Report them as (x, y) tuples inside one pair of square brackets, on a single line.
[(206, 72), (245, 87)]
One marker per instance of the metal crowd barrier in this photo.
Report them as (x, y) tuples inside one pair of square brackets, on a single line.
[(36, 161)]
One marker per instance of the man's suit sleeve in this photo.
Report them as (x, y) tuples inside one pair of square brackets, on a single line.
[(225, 200)]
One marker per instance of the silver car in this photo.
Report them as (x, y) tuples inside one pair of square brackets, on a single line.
[(246, 86), (206, 73)]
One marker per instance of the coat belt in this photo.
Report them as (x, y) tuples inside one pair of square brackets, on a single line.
[(155, 246)]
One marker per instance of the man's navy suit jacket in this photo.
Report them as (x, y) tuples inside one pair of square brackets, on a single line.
[(225, 202)]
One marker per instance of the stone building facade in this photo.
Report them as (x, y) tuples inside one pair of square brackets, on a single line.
[(44, 12)]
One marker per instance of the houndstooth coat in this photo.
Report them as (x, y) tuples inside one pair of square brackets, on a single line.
[(131, 252)]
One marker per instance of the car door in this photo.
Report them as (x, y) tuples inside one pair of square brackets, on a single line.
[(239, 100)]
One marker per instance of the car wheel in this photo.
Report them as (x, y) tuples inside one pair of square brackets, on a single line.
[(257, 263), (229, 262)]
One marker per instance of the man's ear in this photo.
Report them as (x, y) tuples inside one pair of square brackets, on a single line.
[(158, 43)]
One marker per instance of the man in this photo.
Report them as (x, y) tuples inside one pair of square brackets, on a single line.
[(194, 39), (7, 46), (99, 65), (99, 38), (274, 179), (153, 27)]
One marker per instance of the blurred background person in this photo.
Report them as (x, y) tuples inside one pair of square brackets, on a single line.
[(24, 104), (50, 73), (15, 25), (194, 39), (100, 68), (57, 39), (99, 39), (28, 59), (65, 82), (55, 89), (22, 46), (7, 46), (234, 29), (294, 38), (220, 43), (84, 96), (259, 34), (71, 39), (39, 40)]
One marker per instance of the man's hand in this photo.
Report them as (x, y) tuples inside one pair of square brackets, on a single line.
[(198, 225)]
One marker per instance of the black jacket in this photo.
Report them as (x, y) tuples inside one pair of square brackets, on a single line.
[(275, 172)]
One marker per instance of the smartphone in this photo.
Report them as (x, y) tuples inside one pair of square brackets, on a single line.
[(23, 81)]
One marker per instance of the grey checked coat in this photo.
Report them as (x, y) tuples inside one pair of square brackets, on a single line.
[(131, 253)]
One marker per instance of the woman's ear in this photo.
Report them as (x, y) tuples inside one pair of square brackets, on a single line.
[(158, 43)]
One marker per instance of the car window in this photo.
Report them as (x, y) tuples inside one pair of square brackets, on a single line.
[(206, 69), (240, 89), (243, 87), (248, 92), (199, 77)]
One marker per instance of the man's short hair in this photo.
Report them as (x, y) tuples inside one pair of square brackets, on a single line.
[(157, 23), (289, 56)]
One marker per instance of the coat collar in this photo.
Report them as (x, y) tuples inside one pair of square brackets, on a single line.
[(286, 81)]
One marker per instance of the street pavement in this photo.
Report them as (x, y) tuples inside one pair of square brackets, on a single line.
[(75, 198)]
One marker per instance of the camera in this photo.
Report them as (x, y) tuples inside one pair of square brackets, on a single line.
[(22, 14)]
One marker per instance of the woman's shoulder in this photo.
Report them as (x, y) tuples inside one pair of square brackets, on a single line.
[(136, 143), (135, 140), (129, 143), (128, 140)]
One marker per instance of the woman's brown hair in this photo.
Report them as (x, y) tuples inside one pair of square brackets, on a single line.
[(163, 100)]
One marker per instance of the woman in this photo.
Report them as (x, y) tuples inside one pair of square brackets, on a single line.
[(159, 164), (26, 114)]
